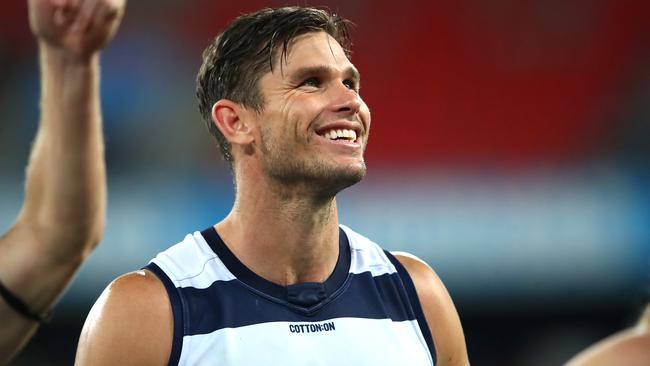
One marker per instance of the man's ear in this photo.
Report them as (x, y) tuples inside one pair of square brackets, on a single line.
[(233, 122)]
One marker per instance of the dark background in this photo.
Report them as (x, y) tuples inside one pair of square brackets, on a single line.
[(510, 150)]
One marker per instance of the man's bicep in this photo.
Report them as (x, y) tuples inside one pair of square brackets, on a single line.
[(130, 324), (439, 311)]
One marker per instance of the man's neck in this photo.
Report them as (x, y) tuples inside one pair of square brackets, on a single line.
[(286, 239)]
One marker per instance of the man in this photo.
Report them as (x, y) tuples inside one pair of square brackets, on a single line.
[(630, 347), (62, 218), (278, 281)]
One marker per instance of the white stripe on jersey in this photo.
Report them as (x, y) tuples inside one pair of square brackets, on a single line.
[(189, 259), (193, 263), (353, 342)]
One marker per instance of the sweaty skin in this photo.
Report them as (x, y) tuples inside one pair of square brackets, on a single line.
[(62, 217), (279, 154)]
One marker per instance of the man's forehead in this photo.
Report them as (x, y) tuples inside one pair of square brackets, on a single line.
[(311, 50)]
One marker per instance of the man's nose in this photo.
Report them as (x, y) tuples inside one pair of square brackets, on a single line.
[(345, 99)]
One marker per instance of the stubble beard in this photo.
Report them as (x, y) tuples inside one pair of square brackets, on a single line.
[(304, 176)]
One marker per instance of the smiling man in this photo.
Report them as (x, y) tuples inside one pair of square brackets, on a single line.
[(279, 281)]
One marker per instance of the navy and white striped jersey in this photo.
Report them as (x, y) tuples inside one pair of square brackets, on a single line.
[(365, 313)]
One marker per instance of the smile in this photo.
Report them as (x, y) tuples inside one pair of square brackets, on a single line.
[(341, 134)]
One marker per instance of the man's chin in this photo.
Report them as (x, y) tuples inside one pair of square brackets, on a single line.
[(353, 174), (341, 178), (322, 180)]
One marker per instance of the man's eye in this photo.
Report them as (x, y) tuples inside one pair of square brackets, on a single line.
[(350, 84), (312, 82)]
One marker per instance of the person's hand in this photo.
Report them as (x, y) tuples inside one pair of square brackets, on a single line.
[(78, 28)]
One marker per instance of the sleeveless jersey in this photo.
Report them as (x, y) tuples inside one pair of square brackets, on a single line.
[(365, 313)]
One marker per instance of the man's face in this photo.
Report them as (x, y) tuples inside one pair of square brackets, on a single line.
[(314, 125)]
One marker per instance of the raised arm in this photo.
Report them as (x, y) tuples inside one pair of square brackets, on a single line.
[(63, 214)]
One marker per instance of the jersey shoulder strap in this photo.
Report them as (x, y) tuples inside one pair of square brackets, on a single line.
[(415, 302)]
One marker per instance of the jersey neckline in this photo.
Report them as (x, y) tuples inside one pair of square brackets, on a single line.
[(303, 296)]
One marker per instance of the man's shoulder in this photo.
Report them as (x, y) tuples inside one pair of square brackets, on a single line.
[(417, 269), (430, 288), (438, 308), (192, 245), (184, 258), (130, 323), (139, 287), (359, 241)]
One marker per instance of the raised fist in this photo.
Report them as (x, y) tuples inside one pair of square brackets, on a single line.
[(76, 27)]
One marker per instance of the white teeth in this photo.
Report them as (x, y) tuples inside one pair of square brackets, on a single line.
[(350, 135)]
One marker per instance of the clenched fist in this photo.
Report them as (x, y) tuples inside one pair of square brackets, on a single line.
[(78, 28)]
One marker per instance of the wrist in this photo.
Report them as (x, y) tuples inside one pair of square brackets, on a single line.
[(60, 57)]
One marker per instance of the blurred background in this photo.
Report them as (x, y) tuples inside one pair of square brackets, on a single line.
[(510, 149)]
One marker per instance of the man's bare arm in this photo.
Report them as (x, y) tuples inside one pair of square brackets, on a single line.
[(63, 214), (130, 324), (439, 310)]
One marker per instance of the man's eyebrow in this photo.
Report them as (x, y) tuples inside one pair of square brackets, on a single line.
[(305, 72)]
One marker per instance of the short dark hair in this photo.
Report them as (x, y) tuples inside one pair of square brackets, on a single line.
[(238, 57)]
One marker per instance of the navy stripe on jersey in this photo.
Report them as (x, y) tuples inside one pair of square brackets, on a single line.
[(415, 303), (177, 308), (327, 289), (213, 308)]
